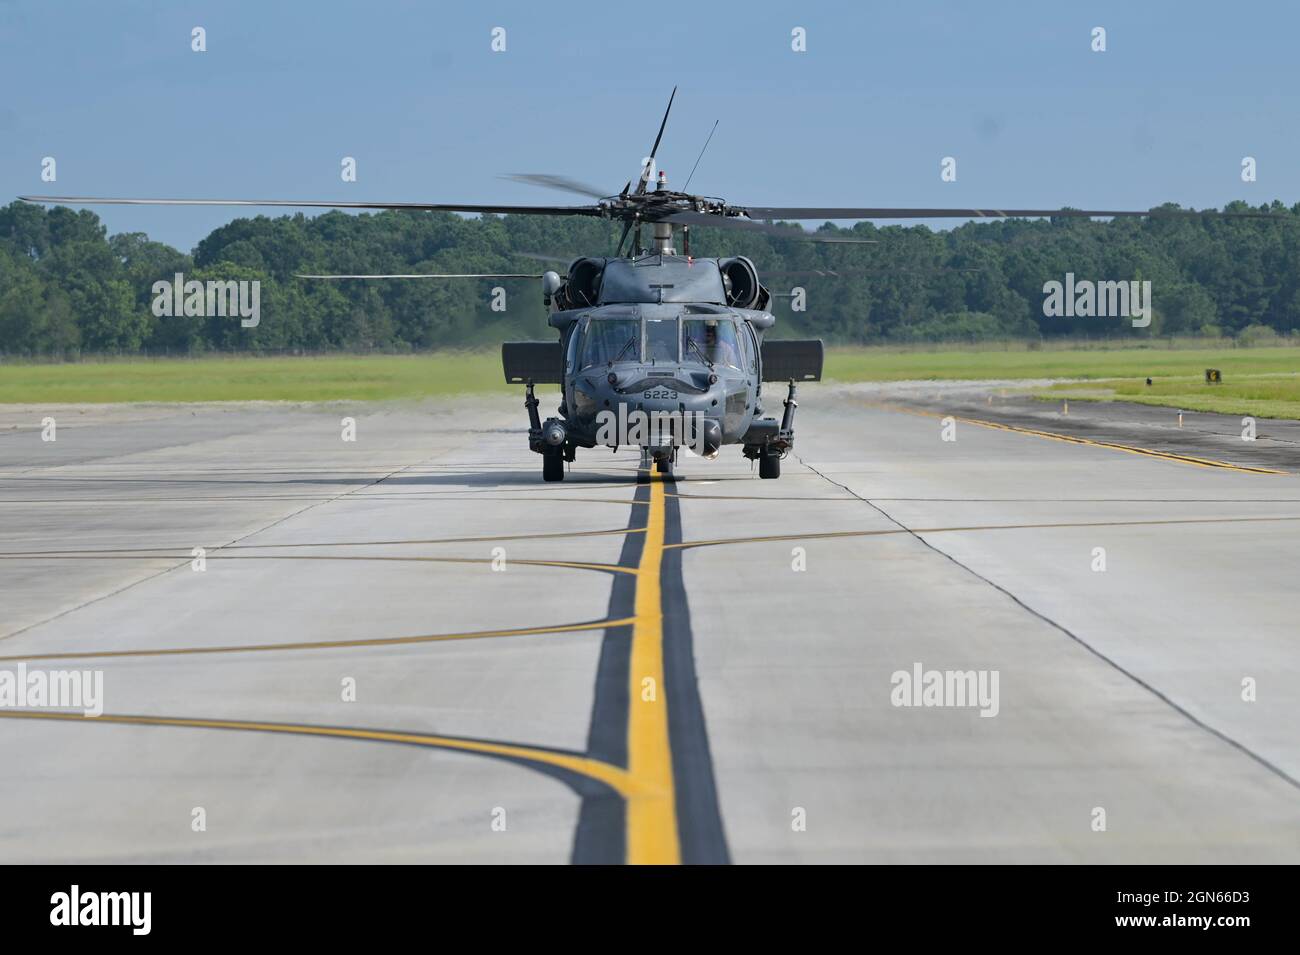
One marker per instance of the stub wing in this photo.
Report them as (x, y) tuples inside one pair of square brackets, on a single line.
[(542, 363), (797, 360)]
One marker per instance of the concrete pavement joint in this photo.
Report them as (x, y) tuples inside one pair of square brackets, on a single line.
[(916, 534)]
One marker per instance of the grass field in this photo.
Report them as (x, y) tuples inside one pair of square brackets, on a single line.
[(1263, 396), (341, 377), (1088, 363), (1263, 381)]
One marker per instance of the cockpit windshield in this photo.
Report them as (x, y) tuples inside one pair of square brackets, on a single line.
[(611, 340), (699, 341), (711, 341), (661, 339)]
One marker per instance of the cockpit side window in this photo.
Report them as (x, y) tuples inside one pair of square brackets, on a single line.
[(572, 342), (750, 345)]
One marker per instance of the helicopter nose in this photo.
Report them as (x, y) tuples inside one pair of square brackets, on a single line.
[(650, 404)]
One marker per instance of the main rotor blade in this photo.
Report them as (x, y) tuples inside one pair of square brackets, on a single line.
[(562, 183), (427, 275), (645, 171), (324, 204), (627, 227), (655, 148), (806, 212), (879, 270), (709, 221)]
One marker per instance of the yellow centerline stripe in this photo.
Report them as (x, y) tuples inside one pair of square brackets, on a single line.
[(652, 836), (647, 784), (1071, 439), (617, 779)]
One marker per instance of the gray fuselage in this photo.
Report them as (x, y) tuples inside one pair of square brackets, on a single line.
[(661, 341)]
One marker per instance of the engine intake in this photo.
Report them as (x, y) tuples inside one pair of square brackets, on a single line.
[(740, 279), (583, 287)]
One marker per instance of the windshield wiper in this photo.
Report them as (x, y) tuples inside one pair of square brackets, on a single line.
[(630, 342), (692, 343)]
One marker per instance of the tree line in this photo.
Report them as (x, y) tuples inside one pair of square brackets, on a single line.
[(68, 288)]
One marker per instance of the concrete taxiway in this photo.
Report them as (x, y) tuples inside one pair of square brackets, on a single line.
[(407, 648)]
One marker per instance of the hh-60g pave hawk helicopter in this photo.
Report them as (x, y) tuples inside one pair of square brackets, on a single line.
[(656, 335)]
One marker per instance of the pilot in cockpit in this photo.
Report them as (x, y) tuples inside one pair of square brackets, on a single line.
[(719, 349)]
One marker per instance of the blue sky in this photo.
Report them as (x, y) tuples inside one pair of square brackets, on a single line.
[(413, 91)]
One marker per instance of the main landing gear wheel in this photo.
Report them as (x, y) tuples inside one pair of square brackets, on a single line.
[(552, 467), (769, 466)]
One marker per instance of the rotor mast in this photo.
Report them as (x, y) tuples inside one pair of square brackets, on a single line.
[(663, 237)]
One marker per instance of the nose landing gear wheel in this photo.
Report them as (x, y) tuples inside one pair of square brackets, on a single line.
[(552, 467), (769, 466), (664, 466)]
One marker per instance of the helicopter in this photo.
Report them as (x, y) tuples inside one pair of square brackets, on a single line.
[(658, 349)]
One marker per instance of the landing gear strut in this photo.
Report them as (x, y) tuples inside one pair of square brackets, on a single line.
[(549, 440), (769, 454), (662, 459)]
